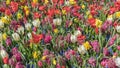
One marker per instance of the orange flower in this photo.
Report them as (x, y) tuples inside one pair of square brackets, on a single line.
[(36, 38)]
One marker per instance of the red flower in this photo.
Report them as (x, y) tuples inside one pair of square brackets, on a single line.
[(37, 15), (41, 8), (2, 9), (14, 6), (91, 21), (36, 38), (96, 30), (81, 39), (5, 60), (7, 12)]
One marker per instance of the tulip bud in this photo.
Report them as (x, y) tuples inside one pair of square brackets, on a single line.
[(6, 66), (16, 36), (20, 30), (36, 23), (73, 38), (28, 26)]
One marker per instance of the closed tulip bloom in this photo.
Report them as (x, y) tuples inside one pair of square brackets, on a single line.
[(29, 35), (16, 36), (20, 30), (3, 53), (40, 63), (28, 26), (48, 38), (81, 49), (6, 66), (73, 38), (57, 21), (92, 61), (36, 23)]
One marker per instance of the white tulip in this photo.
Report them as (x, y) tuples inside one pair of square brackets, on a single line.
[(20, 30), (1, 24), (73, 38), (29, 35), (3, 53), (77, 32), (81, 49), (36, 23), (67, 3), (57, 21), (16, 36), (0, 37), (28, 26), (117, 61), (118, 29)]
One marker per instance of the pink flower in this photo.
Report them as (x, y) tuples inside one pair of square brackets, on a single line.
[(14, 50), (40, 63), (19, 65), (95, 45), (92, 61), (105, 51), (118, 47), (18, 56), (48, 38), (8, 41), (58, 66), (46, 52), (12, 62)]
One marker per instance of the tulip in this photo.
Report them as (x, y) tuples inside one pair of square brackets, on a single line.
[(77, 32), (29, 35), (36, 22), (8, 41), (1, 24), (16, 36), (20, 30), (73, 38), (3, 53), (40, 63), (81, 49), (19, 65), (28, 26), (6, 66), (117, 61), (57, 21), (48, 38), (118, 29), (92, 61)]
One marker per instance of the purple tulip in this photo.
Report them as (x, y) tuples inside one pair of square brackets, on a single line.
[(46, 52), (58, 66), (12, 62), (14, 50), (18, 56)]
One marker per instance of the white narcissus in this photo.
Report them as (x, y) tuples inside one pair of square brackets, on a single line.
[(117, 61), (73, 38), (20, 30), (77, 32), (1, 24), (16, 36), (3, 53), (81, 49), (36, 23), (57, 21), (28, 26), (118, 28)]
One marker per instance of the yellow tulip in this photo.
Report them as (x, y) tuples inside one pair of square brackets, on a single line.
[(72, 2), (5, 19), (54, 61), (83, 6), (19, 16), (27, 12), (117, 14), (98, 23), (64, 12), (44, 57), (87, 45), (4, 36), (46, 2), (56, 30), (35, 1), (8, 2), (35, 55), (90, 16)]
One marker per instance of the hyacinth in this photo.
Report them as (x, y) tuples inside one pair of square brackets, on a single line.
[(92, 61), (95, 45)]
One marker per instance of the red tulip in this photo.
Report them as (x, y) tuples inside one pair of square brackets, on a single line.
[(5, 60), (14, 6)]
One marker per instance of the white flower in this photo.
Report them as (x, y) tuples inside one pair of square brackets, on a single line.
[(20, 30), (57, 21), (29, 35), (3, 53), (118, 29), (67, 3), (77, 32), (117, 61), (16, 36), (1, 24), (0, 37), (73, 38), (36, 23), (81, 49), (28, 26)]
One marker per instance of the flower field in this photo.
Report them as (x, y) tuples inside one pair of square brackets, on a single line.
[(59, 33)]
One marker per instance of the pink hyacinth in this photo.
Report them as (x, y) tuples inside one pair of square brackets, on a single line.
[(105, 51), (95, 45), (19, 65), (92, 61)]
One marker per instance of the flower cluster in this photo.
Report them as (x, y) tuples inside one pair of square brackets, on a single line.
[(59, 33)]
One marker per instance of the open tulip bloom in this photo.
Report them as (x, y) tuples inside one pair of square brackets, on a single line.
[(59, 33)]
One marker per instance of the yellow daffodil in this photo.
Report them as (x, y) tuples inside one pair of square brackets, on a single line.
[(56, 30), (5, 19), (8, 2), (98, 23), (83, 6), (46, 2), (19, 15), (35, 55), (44, 57), (72, 2), (117, 14), (87, 45), (54, 61), (4, 36)]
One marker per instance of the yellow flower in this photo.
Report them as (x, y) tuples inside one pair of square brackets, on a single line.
[(88, 12), (117, 14), (5, 19), (26, 8), (83, 6), (35, 55), (76, 20), (64, 12), (35, 1), (44, 57), (72, 2), (19, 16), (98, 23), (8, 2), (46, 2), (56, 30), (4, 36), (27, 12), (87, 45), (54, 61), (90, 16)]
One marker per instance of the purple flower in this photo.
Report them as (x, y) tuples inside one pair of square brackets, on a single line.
[(92, 61), (95, 45), (19, 65), (112, 40), (8, 41), (18, 56), (48, 38)]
